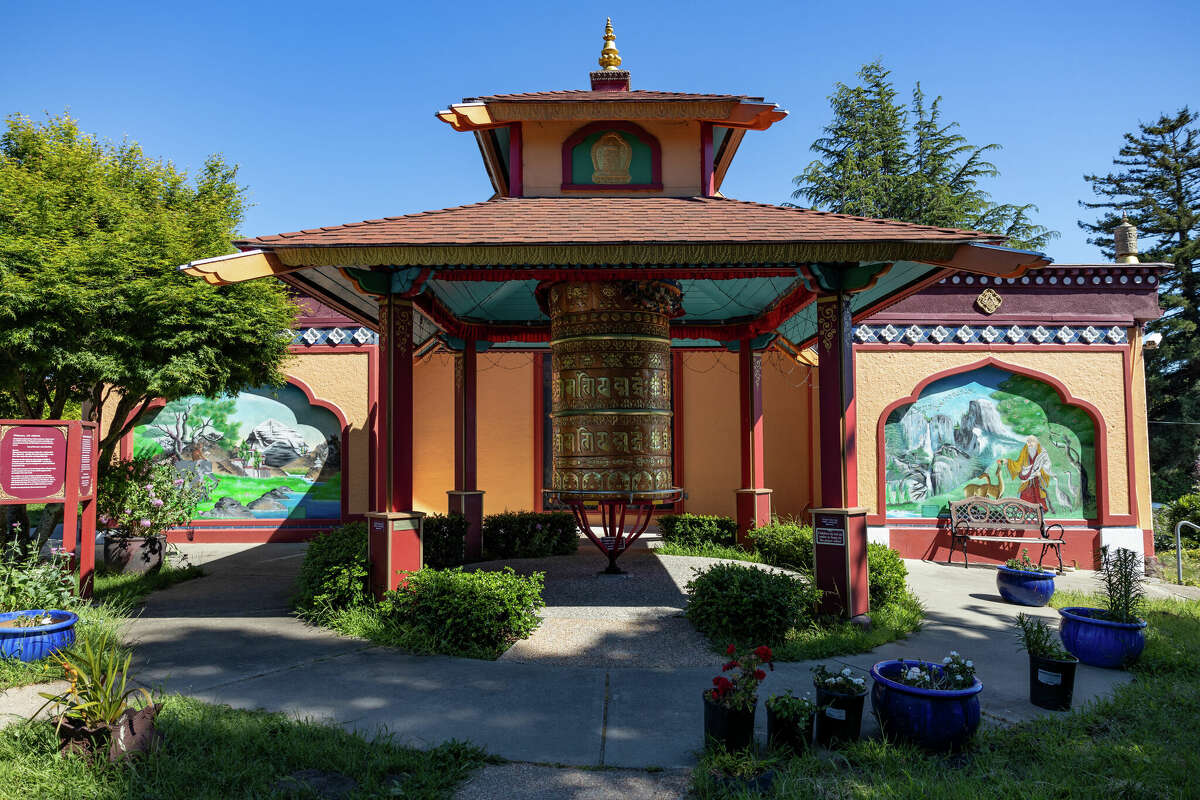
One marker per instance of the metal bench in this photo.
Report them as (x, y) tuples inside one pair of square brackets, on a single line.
[(986, 520)]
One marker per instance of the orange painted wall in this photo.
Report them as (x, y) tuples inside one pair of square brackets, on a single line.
[(433, 439), (787, 406), (542, 156), (506, 431)]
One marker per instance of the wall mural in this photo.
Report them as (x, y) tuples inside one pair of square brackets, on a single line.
[(989, 433), (274, 455)]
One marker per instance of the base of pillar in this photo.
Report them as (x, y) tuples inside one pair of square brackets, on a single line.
[(393, 548), (753, 510), (840, 560), (469, 503)]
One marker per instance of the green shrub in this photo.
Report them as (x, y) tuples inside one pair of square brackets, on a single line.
[(28, 582), (1166, 518), (444, 540), (735, 603), (785, 543), (529, 534), (698, 529), (475, 614), (334, 572), (887, 574)]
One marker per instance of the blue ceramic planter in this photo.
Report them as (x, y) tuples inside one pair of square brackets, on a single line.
[(1023, 587), (932, 719), (1099, 642), (34, 644)]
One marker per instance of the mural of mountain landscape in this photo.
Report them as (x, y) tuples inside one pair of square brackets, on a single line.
[(989, 433), (274, 456)]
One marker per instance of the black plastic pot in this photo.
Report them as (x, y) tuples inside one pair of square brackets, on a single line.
[(839, 717), (794, 733), (1051, 683), (732, 728)]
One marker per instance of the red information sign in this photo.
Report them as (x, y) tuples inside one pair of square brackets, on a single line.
[(33, 462), (87, 466)]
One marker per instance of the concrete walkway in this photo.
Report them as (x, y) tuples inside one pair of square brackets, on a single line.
[(594, 687)]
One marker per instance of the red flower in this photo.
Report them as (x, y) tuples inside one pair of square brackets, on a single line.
[(730, 650), (730, 665), (763, 652), (759, 674), (722, 683)]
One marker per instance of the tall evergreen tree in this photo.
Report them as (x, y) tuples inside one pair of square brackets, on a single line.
[(873, 163), (1157, 186)]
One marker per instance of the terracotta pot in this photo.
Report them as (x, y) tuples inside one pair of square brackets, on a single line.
[(134, 554)]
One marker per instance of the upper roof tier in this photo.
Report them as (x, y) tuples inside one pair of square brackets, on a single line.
[(609, 139)]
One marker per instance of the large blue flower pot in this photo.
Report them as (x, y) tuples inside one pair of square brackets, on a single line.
[(932, 719), (1023, 587), (1099, 642), (39, 641)]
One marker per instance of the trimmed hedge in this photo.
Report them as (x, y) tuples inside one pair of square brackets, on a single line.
[(887, 575), (747, 605), (475, 614), (529, 534), (445, 540), (334, 573), (698, 529), (785, 543)]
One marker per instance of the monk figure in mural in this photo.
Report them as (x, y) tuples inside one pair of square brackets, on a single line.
[(1032, 468)]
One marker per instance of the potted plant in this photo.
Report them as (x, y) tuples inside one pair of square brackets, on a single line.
[(790, 721), (139, 500), (934, 706), (1113, 636), (738, 772), (1051, 668), (93, 715), (730, 704), (1024, 583), (36, 633), (840, 698)]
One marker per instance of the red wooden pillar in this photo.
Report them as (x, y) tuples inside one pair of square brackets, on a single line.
[(465, 498), (394, 540), (840, 526), (753, 499)]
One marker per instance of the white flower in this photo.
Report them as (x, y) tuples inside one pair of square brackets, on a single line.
[(946, 660), (970, 663), (846, 672), (859, 681), (954, 652)]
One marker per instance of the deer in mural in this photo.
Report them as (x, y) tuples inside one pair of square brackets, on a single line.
[(988, 489)]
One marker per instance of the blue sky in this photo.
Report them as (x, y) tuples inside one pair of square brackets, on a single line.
[(328, 107)]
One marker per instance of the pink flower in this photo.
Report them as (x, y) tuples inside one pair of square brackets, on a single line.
[(178, 481), (156, 503), (145, 523)]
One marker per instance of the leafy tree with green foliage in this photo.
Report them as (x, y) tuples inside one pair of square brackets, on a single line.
[(872, 162), (1156, 185), (93, 308)]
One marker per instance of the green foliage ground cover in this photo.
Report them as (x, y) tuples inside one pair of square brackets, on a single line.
[(217, 753), (1140, 743)]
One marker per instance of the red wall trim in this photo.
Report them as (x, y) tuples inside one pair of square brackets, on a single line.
[(1101, 448), (516, 162), (625, 127), (708, 186)]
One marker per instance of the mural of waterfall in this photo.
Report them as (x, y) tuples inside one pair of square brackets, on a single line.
[(989, 433)]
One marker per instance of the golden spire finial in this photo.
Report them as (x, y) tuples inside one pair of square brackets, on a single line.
[(610, 58)]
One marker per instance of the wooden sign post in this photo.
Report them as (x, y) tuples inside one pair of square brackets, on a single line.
[(55, 461)]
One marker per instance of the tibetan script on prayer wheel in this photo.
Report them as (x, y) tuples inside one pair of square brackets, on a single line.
[(611, 388)]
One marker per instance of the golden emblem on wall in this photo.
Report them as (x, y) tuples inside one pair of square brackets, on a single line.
[(611, 156), (989, 301)]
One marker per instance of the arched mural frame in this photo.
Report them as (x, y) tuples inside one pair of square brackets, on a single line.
[(635, 130), (126, 446), (1060, 388)]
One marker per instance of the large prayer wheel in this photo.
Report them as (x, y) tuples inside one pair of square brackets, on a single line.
[(611, 389)]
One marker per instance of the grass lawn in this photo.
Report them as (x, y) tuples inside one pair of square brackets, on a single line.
[(1141, 743), (220, 753), (1191, 566), (114, 597), (836, 638)]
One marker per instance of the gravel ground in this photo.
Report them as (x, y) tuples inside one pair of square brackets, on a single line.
[(534, 782)]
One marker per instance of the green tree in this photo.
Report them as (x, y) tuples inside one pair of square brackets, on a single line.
[(872, 162), (93, 309), (1156, 185)]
